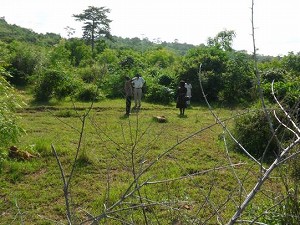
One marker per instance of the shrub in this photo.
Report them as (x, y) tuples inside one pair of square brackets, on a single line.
[(89, 92), (24, 61), (288, 91), (253, 132), (53, 83), (159, 94), (165, 80), (113, 86), (92, 74), (10, 131)]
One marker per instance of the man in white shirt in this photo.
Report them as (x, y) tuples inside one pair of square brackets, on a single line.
[(138, 83)]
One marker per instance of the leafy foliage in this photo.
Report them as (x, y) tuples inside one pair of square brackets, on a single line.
[(223, 40), (79, 52), (53, 83), (96, 23), (157, 93), (88, 93), (238, 80), (213, 62), (253, 132), (10, 131), (24, 61)]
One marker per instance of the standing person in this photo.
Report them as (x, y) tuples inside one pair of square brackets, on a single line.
[(128, 94), (181, 100), (189, 87), (138, 83)]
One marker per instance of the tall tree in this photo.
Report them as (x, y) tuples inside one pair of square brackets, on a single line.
[(96, 24), (222, 40)]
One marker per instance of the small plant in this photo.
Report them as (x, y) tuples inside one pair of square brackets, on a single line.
[(89, 92), (83, 160), (40, 147), (65, 113)]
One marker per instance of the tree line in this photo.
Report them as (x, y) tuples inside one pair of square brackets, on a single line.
[(78, 67)]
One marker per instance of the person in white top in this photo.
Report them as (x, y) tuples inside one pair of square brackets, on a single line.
[(137, 83), (189, 87)]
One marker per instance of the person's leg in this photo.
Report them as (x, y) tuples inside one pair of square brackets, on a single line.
[(135, 96), (128, 104), (139, 97)]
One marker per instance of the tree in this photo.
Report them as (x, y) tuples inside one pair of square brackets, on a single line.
[(291, 62), (96, 24), (24, 59), (79, 51), (223, 40), (214, 62)]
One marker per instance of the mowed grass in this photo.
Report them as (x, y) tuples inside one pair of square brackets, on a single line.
[(182, 168)]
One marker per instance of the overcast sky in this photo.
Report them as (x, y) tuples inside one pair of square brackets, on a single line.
[(191, 21)]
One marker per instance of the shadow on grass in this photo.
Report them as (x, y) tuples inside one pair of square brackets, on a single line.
[(182, 116)]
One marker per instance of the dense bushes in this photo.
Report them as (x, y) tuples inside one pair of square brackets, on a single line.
[(253, 131), (88, 92), (23, 62), (227, 75), (159, 94), (287, 92), (53, 83), (9, 102)]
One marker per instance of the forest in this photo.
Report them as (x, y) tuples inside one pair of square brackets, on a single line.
[(43, 77)]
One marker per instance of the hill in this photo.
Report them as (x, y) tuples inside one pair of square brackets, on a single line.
[(9, 33)]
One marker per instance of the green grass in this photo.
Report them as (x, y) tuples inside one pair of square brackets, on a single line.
[(111, 144)]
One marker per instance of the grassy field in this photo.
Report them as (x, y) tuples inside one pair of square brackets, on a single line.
[(176, 172)]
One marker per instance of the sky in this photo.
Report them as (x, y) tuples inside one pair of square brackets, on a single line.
[(191, 21)]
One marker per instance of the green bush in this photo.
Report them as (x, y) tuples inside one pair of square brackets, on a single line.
[(89, 92), (159, 94), (165, 80), (253, 132), (24, 60), (92, 74), (286, 91), (10, 131), (53, 83), (113, 86)]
